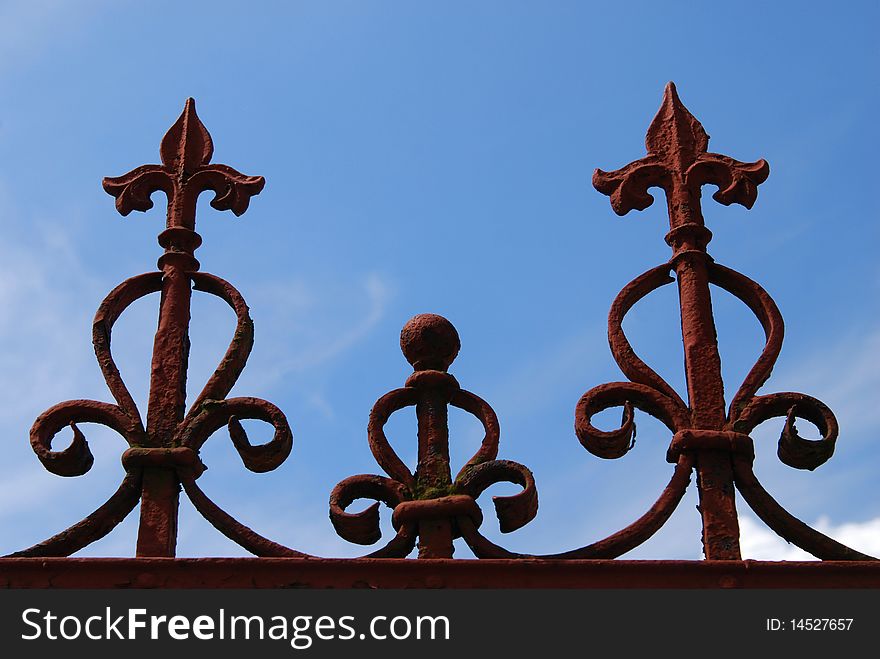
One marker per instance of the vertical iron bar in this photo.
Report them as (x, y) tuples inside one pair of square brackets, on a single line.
[(433, 473), (705, 389), (157, 534)]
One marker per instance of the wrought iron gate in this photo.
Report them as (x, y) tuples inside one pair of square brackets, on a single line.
[(431, 507)]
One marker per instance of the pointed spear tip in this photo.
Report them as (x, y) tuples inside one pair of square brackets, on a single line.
[(670, 95), (188, 141), (189, 107), (674, 124)]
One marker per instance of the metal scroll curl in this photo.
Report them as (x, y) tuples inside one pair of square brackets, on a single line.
[(77, 458), (430, 496), (477, 475), (209, 412), (748, 410), (648, 392)]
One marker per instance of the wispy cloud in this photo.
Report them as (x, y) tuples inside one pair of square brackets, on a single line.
[(760, 543), (42, 284), (40, 360), (306, 327), (538, 378), (338, 340)]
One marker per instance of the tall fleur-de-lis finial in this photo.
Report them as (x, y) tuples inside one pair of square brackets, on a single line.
[(679, 162), (707, 437), (164, 454), (184, 174), (430, 506)]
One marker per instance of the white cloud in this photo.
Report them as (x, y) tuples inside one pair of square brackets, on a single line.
[(760, 543)]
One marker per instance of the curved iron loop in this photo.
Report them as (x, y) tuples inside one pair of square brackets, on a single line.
[(762, 305), (240, 534), (480, 545), (400, 546), (794, 450), (119, 299), (514, 511), (215, 414), (645, 526), (93, 527), (230, 367), (382, 451), (363, 528), (786, 525), (616, 443), (123, 417), (614, 545), (77, 459), (473, 404), (630, 363)]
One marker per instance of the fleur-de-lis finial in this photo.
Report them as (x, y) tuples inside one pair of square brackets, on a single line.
[(185, 173), (707, 437), (679, 162)]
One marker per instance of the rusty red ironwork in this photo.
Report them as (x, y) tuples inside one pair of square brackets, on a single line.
[(429, 504), (165, 453), (430, 508), (714, 440)]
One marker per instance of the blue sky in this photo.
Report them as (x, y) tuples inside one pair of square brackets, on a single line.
[(436, 157)]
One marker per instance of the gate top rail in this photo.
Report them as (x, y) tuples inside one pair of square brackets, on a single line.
[(430, 507)]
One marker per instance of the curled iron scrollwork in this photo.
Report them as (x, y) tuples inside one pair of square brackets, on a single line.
[(431, 508), (170, 441), (429, 505)]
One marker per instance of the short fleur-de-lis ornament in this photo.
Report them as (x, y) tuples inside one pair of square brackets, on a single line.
[(429, 504)]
